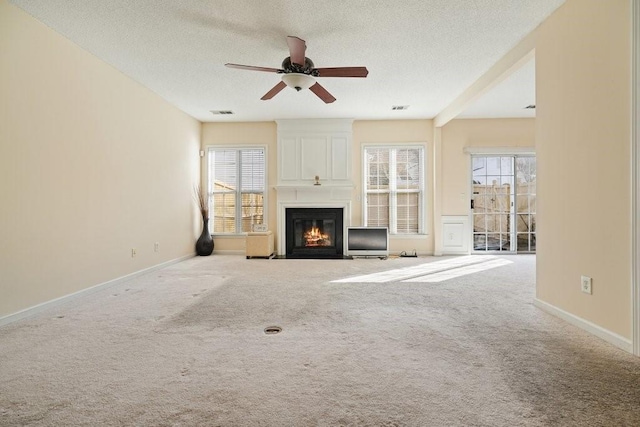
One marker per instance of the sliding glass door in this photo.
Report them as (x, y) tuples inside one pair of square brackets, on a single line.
[(525, 226), (503, 203)]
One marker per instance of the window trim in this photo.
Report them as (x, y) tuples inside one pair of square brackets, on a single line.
[(265, 196), (422, 214)]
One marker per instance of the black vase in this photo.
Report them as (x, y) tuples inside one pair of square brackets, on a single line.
[(204, 245)]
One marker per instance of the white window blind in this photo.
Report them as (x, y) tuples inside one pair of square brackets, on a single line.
[(237, 182), (394, 186)]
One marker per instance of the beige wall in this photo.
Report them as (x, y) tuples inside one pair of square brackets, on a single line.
[(395, 132), (583, 136), (265, 133), (91, 165), (245, 134), (461, 133)]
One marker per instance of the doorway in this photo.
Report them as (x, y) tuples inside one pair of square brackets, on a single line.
[(503, 203)]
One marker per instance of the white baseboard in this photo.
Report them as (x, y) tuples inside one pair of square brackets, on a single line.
[(36, 309), (230, 252), (610, 337)]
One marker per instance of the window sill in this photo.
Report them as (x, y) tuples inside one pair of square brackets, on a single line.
[(229, 236)]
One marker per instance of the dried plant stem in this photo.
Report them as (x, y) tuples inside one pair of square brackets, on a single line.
[(201, 200)]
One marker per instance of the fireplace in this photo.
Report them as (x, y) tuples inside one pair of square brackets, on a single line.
[(314, 232)]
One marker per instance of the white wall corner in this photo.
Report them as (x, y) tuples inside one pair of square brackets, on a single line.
[(635, 170), (602, 333), (436, 190)]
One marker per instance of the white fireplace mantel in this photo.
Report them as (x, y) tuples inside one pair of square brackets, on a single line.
[(311, 151), (311, 196), (314, 192)]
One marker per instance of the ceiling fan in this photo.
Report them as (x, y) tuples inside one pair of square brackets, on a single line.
[(299, 72)]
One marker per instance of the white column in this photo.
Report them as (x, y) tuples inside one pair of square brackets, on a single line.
[(436, 186)]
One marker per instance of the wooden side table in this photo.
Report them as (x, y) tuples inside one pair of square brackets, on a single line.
[(259, 244)]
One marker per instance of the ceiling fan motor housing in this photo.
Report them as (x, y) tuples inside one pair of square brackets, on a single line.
[(290, 67)]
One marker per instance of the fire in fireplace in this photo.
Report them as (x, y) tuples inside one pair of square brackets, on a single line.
[(316, 237), (314, 232)]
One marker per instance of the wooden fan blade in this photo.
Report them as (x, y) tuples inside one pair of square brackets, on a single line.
[(322, 93), (342, 72), (252, 68), (297, 49), (274, 91)]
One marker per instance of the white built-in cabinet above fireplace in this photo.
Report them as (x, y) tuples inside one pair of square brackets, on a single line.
[(314, 149), (308, 149)]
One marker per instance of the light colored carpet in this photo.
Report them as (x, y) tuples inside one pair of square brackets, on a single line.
[(185, 346)]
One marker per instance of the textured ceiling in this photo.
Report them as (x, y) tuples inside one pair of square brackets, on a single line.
[(420, 53)]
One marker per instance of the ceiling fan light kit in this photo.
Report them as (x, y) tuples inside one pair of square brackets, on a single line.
[(298, 81), (299, 72)]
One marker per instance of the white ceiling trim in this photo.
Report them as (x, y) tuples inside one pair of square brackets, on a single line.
[(506, 66), (480, 151)]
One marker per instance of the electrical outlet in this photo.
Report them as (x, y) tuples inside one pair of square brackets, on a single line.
[(133, 252), (585, 284), (156, 247)]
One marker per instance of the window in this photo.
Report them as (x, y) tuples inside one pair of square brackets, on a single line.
[(394, 189), (236, 189)]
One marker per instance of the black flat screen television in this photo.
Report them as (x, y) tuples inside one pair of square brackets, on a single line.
[(368, 241)]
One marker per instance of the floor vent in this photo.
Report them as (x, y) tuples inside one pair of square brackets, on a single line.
[(272, 330)]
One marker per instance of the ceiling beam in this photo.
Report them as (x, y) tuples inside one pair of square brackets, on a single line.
[(522, 53)]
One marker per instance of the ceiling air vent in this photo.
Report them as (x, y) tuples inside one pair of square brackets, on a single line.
[(530, 107), (221, 112), (399, 107)]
